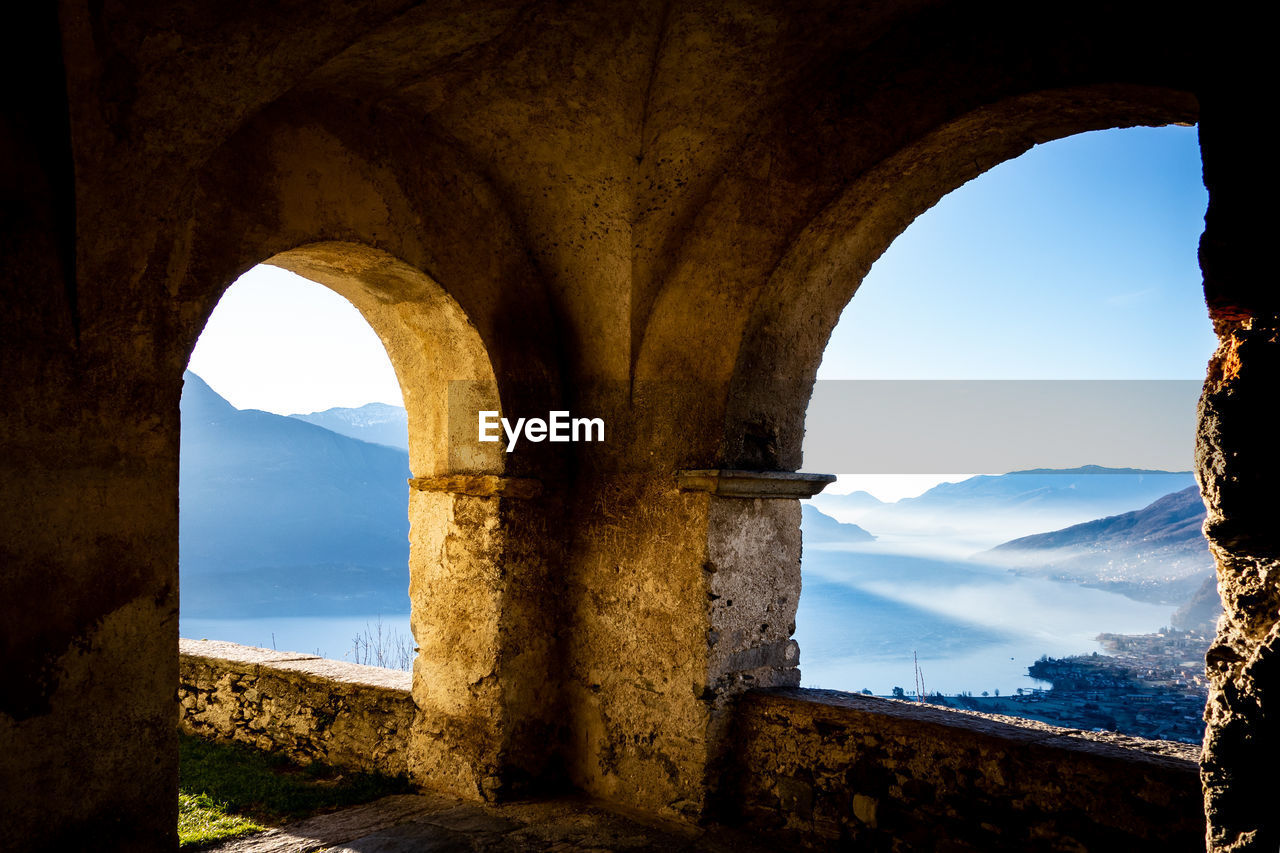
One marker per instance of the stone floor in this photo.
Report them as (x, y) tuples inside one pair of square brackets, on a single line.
[(412, 823)]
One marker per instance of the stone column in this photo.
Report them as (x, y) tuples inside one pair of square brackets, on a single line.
[(687, 591), (1238, 465), (485, 633)]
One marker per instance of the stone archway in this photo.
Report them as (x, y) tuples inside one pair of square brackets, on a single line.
[(759, 342), (821, 271), (609, 191), (431, 344), (791, 316), (467, 588)]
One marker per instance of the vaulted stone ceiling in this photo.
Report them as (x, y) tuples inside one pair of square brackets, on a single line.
[(617, 147)]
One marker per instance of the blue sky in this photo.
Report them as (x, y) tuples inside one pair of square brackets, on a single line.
[(283, 344), (1076, 260)]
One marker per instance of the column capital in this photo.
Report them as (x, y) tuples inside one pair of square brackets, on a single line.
[(739, 483)]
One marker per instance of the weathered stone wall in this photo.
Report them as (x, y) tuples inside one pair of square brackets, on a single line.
[(819, 767), (303, 706), (807, 767)]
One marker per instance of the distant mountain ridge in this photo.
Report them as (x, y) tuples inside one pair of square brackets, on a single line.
[(267, 499), (989, 509), (820, 528), (1090, 485), (379, 423), (858, 500)]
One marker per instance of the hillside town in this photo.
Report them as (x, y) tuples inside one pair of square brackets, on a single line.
[(1147, 685)]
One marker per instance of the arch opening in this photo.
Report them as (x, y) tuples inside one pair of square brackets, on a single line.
[(791, 320), (475, 719), (993, 572), (295, 529), (293, 522)]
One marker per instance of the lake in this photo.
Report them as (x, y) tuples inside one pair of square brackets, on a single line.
[(326, 636)]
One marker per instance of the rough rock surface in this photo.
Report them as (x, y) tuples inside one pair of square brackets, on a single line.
[(1239, 459), (819, 767)]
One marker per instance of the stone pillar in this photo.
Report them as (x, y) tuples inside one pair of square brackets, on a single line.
[(1238, 465), (486, 634), (687, 591)]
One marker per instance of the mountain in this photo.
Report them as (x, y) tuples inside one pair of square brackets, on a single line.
[(1091, 486), (820, 528), (1174, 519), (847, 507), (987, 510), (273, 502), (375, 422), (1201, 612), (1156, 553)]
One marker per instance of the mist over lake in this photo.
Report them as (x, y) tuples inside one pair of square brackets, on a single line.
[(866, 608)]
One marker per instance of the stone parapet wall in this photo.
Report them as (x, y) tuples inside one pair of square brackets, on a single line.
[(820, 767), (306, 707), (805, 767)]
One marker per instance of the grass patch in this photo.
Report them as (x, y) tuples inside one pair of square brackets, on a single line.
[(202, 819), (229, 789)]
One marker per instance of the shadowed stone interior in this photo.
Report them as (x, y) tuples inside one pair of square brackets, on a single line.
[(652, 213)]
